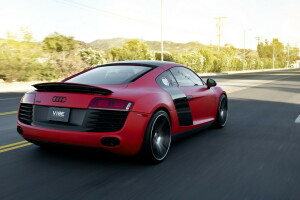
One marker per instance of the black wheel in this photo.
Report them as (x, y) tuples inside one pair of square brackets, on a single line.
[(222, 113), (157, 138)]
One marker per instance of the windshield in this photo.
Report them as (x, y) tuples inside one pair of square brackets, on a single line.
[(110, 75)]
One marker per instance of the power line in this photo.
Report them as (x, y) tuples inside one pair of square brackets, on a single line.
[(80, 5), (123, 17)]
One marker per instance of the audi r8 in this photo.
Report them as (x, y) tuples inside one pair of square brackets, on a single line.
[(128, 108)]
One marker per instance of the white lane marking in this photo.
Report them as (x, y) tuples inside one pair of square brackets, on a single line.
[(297, 121), (10, 98)]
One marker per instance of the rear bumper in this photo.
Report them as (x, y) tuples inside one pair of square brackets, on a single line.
[(131, 135)]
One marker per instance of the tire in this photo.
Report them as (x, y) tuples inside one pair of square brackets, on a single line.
[(222, 113), (157, 138)]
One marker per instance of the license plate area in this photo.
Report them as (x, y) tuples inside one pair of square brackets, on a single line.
[(58, 114)]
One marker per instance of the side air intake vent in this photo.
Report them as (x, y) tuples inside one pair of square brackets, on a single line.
[(106, 120), (25, 113)]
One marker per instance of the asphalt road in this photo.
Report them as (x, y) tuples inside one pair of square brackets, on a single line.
[(256, 156)]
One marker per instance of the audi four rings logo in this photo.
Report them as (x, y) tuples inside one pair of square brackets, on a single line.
[(59, 99)]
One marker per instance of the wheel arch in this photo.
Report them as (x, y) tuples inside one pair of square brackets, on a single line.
[(173, 117), (163, 109)]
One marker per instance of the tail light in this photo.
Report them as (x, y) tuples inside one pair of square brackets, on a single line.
[(110, 104), (28, 98)]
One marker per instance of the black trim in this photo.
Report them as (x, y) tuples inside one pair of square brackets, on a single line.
[(47, 143), (148, 63), (71, 87), (25, 113), (81, 120), (105, 120), (190, 132), (182, 106), (180, 102)]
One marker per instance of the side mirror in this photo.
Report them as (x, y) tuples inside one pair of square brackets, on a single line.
[(210, 83)]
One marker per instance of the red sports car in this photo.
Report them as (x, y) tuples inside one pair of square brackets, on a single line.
[(125, 107)]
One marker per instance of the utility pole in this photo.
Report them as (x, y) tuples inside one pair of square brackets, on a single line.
[(288, 55), (258, 40), (244, 63), (273, 57), (219, 24), (161, 31)]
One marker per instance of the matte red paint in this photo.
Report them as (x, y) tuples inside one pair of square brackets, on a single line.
[(147, 98)]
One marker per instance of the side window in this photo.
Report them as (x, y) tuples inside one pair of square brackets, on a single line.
[(166, 79), (186, 77)]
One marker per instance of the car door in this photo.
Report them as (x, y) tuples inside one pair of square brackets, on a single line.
[(201, 99)]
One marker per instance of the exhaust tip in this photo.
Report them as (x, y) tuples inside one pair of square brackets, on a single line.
[(110, 141), (20, 130)]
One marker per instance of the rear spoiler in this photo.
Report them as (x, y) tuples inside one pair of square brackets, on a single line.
[(71, 88)]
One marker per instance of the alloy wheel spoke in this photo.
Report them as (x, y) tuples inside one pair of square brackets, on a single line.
[(161, 125), (160, 150)]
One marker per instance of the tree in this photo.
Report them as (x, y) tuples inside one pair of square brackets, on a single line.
[(62, 54), (266, 50), (269, 50), (167, 56), (92, 57), (229, 53), (22, 60), (26, 34), (192, 59), (209, 59), (278, 49), (131, 50), (57, 42), (293, 54)]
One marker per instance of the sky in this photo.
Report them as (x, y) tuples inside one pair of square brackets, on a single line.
[(183, 20)]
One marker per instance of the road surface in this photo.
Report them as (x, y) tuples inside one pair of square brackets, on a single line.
[(256, 156)]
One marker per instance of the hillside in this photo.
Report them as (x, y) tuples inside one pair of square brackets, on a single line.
[(106, 44)]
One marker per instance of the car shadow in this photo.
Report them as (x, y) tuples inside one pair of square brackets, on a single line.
[(248, 120)]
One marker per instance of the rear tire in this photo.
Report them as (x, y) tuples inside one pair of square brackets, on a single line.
[(157, 138), (222, 112)]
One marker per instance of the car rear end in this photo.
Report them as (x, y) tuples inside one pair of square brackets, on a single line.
[(78, 114)]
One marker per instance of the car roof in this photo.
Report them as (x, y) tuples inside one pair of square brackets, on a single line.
[(150, 63)]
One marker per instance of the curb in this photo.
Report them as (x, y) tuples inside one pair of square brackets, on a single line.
[(242, 72), (17, 87)]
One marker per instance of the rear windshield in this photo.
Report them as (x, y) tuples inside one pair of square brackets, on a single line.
[(110, 75)]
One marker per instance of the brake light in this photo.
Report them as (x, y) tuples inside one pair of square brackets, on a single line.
[(110, 104), (28, 98)]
